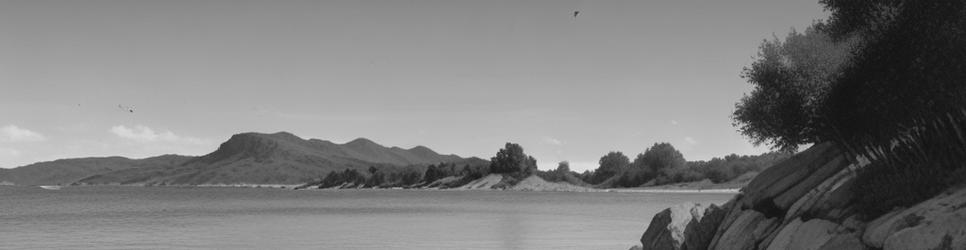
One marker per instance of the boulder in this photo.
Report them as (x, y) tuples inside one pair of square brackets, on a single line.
[(698, 234), (812, 235), (785, 235), (879, 229), (938, 223), (733, 211), (835, 192), (776, 180), (658, 234), (844, 242), (686, 226), (840, 197), (820, 175), (766, 240), (745, 231), (848, 241)]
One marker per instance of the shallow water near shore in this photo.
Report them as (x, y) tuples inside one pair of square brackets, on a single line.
[(263, 218)]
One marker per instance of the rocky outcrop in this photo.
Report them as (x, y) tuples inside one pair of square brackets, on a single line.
[(744, 232), (769, 212), (806, 202), (669, 227), (938, 223)]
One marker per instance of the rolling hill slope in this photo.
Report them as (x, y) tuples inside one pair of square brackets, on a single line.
[(247, 158)]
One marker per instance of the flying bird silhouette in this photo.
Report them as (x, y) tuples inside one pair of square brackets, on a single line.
[(129, 109)]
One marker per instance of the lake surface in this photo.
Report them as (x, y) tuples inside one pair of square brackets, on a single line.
[(258, 218)]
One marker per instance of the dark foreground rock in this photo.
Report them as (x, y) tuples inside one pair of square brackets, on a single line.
[(669, 227), (806, 203)]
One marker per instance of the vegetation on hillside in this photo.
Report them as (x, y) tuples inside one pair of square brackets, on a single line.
[(510, 161), (663, 164), (409, 176), (882, 79)]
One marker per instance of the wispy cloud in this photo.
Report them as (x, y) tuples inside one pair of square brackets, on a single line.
[(552, 141), (674, 122), (690, 140), (12, 133), (141, 133)]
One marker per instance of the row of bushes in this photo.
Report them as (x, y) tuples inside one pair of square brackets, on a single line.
[(663, 164), (390, 176), (658, 165), (510, 160)]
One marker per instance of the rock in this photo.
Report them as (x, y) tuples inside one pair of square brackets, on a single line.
[(938, 223), (686, 226), (766, 240), (834, 192), (733, 210), (658, 234), (698, 234), (785, 236), (839, 198), (744, 231), (776, 180), (843, 242), (879, 229), (852, 224), (766, 227), (820, 175), (812, 235), (636, 248)]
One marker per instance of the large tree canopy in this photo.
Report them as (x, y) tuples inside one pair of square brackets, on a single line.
[(512, 160), (790, 79), (662, 156), (610, 165)]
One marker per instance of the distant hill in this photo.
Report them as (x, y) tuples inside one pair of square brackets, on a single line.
[(248, 158), (67, 171)]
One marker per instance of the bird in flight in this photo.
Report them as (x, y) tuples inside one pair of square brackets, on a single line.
[(576, 12), (126, 108)]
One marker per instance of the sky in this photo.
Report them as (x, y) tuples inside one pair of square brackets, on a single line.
[(458, 76)]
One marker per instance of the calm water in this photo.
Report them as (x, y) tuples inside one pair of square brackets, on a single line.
[(223, 218)]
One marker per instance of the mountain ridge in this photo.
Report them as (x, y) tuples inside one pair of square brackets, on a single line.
[(250, 158)]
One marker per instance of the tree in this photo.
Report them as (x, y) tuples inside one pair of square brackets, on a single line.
[(901, 101), (563, 167), (790, 79), (662, 156), (610, 165), (557, 175), (432, 174), (863, 18), (512, 160)]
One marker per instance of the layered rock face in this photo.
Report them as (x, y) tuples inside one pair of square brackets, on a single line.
[(669, 227), (806, 203)]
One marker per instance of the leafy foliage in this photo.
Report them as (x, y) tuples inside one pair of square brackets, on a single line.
[(611, 164), (512, 160), (790, 78), (663, 164), (558, 174), (899, 100), (662, 156)]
